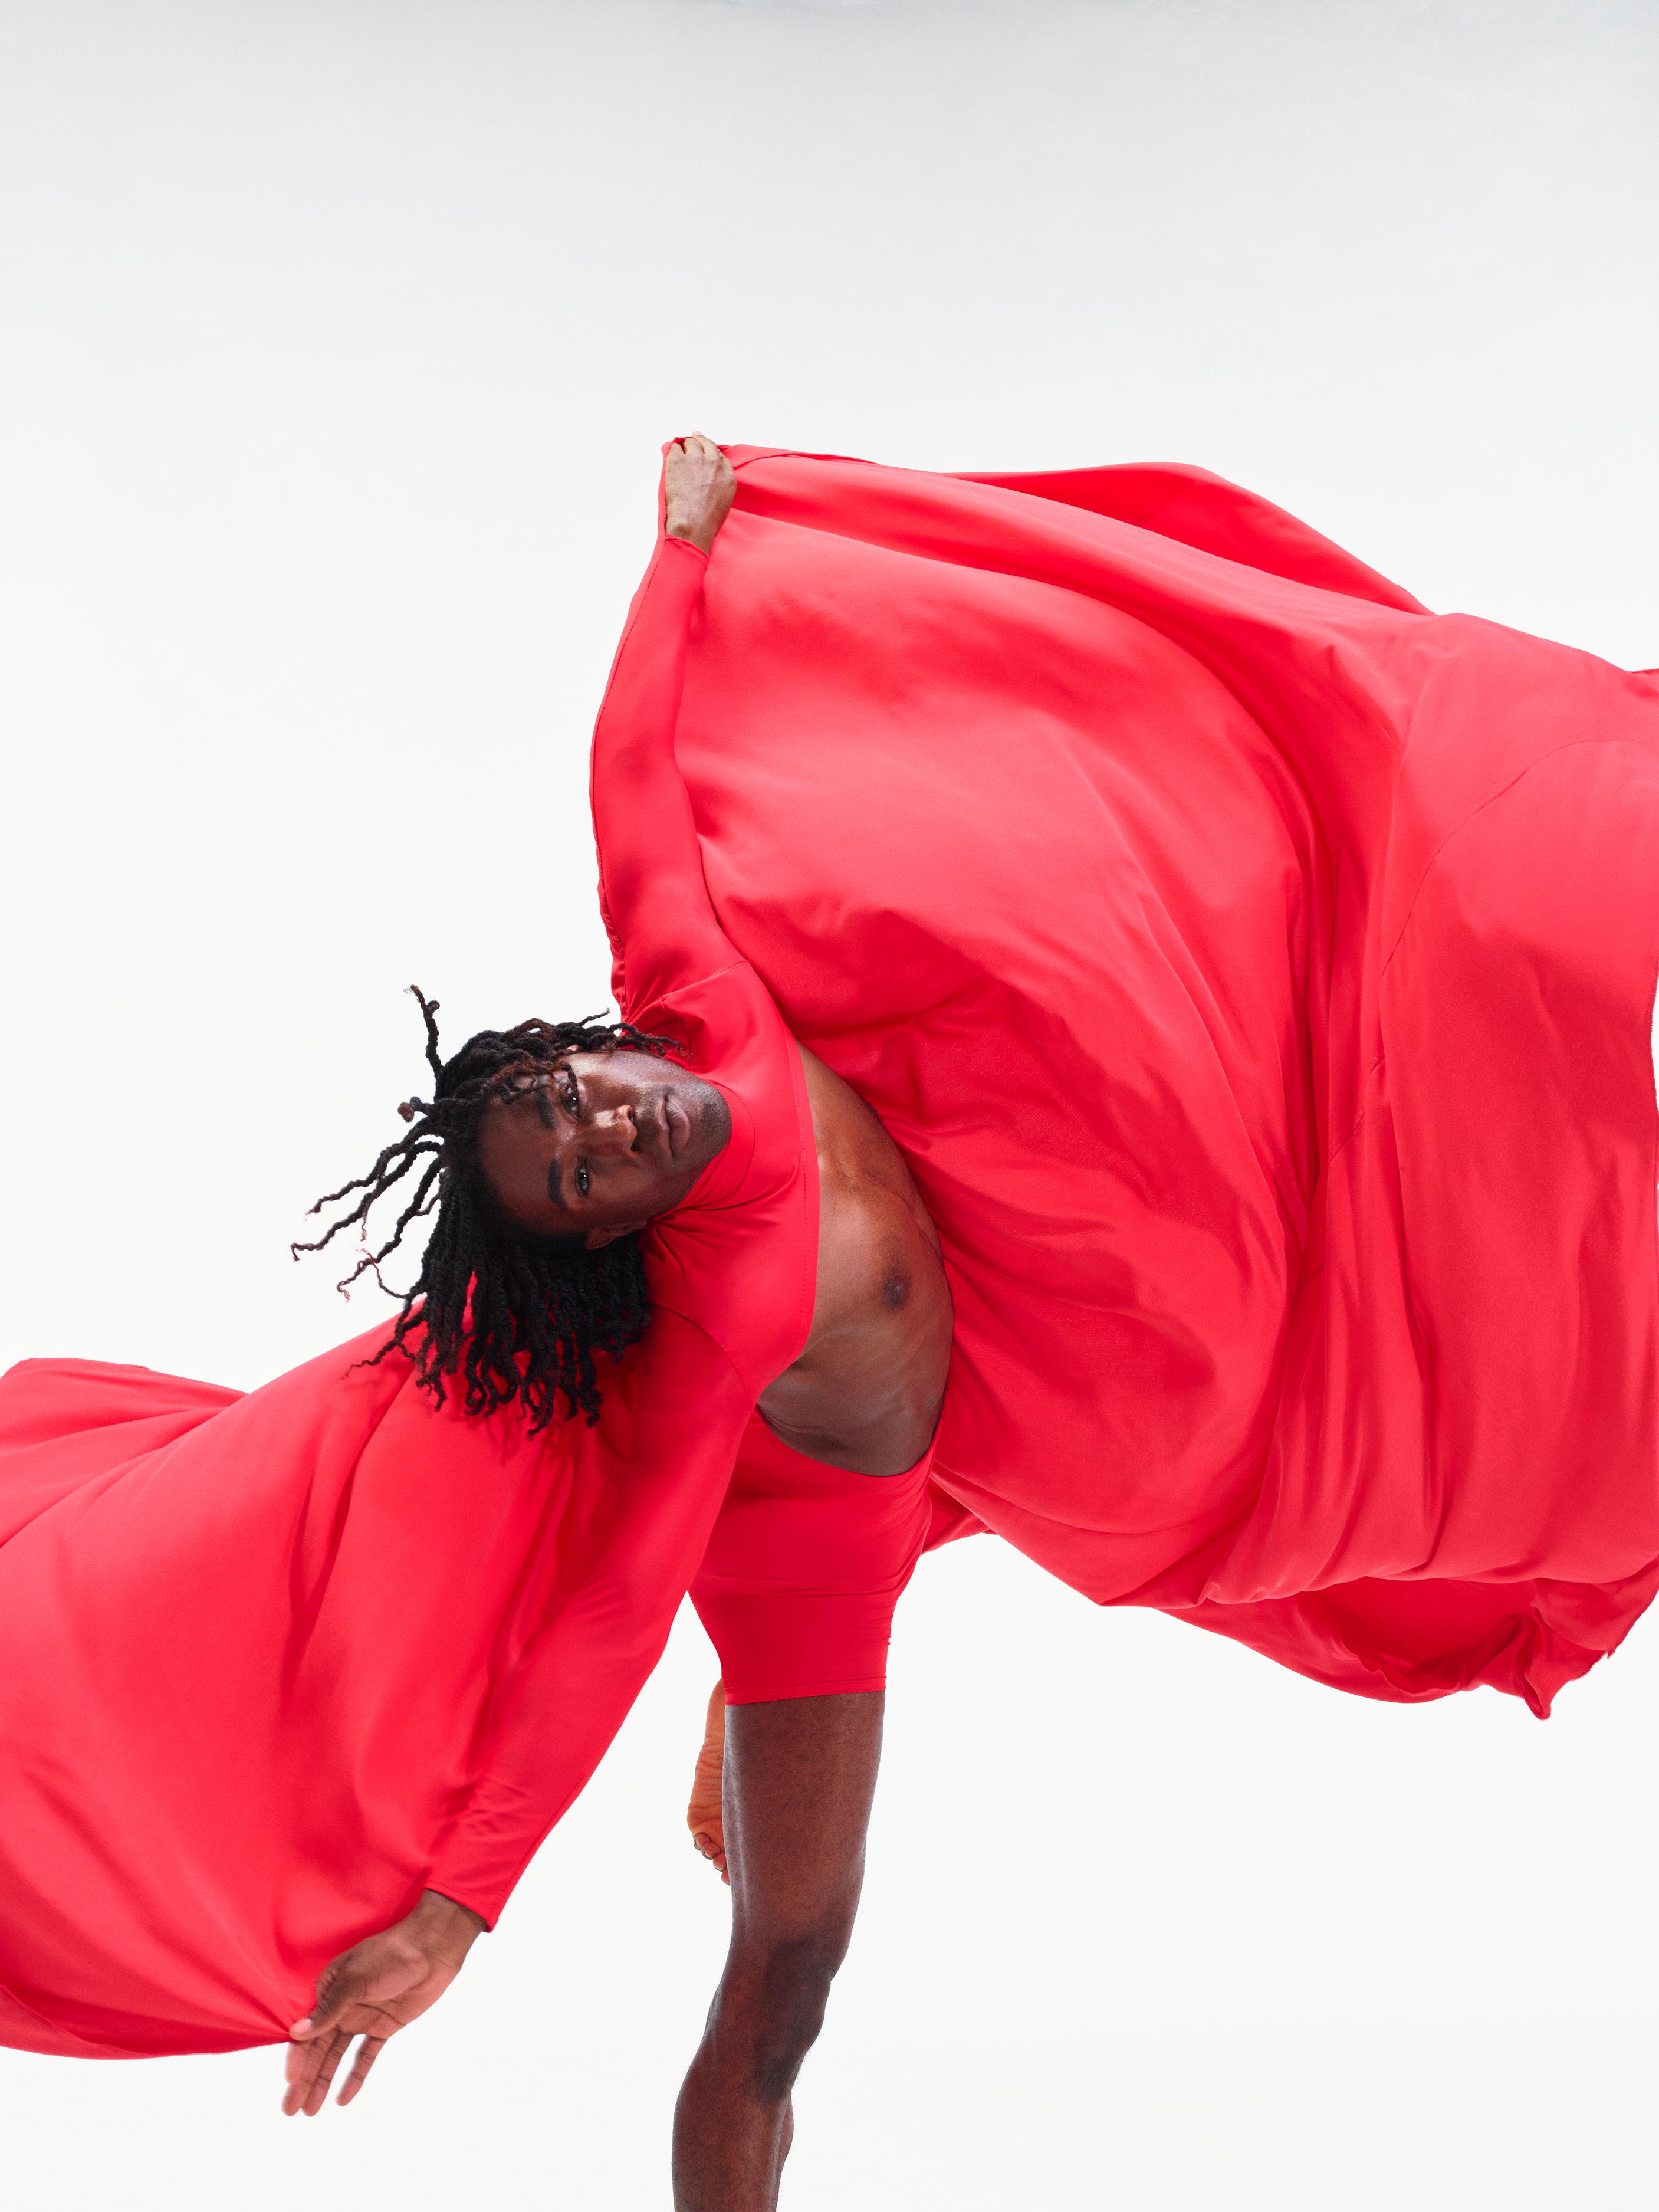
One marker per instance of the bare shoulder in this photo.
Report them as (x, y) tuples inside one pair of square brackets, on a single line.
[(857, 1159)]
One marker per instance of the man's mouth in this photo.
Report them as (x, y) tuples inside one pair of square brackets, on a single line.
[(677, 1125)]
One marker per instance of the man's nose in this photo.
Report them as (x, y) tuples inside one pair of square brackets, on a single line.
[(610, 1131)]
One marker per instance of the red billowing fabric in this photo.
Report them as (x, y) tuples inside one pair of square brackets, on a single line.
[(270, 1664), (1257, 973)]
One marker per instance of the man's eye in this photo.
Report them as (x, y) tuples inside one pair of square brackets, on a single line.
[(583, 1179), (573, 1097)]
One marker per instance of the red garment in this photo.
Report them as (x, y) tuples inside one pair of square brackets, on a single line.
[(273, 1663), (1256, 972), (803, 1569)]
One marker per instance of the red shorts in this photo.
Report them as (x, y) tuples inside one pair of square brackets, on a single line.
[(797, 1586)]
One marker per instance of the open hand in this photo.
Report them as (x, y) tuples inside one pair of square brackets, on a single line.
[(698, 489), (372, 1990)]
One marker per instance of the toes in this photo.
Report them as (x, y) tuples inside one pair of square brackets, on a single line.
[(707, 1848)]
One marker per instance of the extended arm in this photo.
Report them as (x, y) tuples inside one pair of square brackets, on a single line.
[(634, 1542), (663, 929), (634, 1561)]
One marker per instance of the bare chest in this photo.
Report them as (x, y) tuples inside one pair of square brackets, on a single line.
[(864, 1394)]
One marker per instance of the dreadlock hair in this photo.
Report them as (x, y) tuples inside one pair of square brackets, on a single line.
[(516, 1317)]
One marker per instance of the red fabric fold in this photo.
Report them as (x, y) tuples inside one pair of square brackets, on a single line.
[(1257, 972)]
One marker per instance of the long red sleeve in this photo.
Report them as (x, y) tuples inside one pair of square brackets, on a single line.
[(664, 935), (629, 1541), (731, 1276)]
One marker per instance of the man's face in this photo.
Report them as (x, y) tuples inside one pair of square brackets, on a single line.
[(599, 1144)]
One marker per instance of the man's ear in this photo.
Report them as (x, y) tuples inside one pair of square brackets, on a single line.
[(597, 1239)]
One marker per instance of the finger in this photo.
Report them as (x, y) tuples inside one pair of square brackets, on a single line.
[(295, 2080), (325, 2003), (328, 2065), (300, 2069), (335, 1996), (367, 2052)]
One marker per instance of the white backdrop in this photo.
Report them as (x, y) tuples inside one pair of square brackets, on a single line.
[(339, 341)]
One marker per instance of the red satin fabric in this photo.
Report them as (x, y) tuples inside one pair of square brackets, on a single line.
[(1257, 972), (805, 1567), (270, 1664)]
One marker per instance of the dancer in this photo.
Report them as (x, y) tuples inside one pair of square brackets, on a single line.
[(1254, 973), (806, 1558), (362, 1635)]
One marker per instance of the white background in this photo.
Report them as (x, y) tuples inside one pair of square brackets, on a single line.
[(339, 341)]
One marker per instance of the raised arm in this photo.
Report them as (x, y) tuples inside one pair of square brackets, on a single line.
[(664, 932)]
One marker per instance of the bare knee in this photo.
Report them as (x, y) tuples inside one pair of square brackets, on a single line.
[(771, 2007)]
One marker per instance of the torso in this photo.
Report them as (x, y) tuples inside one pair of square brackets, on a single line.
[(865, 1393)]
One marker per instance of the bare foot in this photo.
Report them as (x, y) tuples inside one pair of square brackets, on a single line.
[(698, 489), (703, 1815)]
